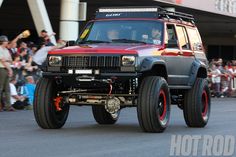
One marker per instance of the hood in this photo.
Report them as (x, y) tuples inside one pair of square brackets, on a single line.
[(104, 49)]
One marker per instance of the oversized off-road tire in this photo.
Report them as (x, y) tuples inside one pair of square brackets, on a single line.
[(197, 104), (45, 111), (153, 104), (102, 116)]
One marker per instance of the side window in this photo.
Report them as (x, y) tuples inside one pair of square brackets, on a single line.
[(183, 38), (195, 39), (171, 38)]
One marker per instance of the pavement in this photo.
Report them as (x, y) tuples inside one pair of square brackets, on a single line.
[(20, 136)]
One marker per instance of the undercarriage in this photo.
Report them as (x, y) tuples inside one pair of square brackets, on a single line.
[(110, 93)]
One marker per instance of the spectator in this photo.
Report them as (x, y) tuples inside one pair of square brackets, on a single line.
[(12, 46), (5, 73), (13, 50), (234, 70), (32, 49), (44, 37), (22, 45), (40, 56), (225, 82), (24, 57), (29, 89), (216, 79), (17, 101), (23, 62), (219, 64)]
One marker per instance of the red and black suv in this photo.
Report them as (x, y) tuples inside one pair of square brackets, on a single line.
[(143, 57)]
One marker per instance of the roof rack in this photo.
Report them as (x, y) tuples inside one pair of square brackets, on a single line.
[(175, 15), (142, 12)]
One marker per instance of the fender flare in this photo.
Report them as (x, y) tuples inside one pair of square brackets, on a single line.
[(197, 66), (148, 63)]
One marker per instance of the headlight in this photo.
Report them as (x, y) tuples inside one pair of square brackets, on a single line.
[(128, 60), (55, 61)]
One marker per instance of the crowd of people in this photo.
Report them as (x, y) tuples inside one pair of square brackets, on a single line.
[(222, 77), (20, 64)]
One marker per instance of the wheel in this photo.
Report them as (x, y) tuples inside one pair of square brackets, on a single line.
[(45, 111), (153, 104), (103, 117), (197, 104)]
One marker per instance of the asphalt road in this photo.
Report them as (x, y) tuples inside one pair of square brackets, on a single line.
[(82, 137)]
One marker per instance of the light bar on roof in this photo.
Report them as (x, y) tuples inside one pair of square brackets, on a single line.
[(113, 10)]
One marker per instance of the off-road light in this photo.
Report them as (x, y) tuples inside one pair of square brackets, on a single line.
[(72, 100), (113, 10), (70, 71), (83, 71), (128, 60), (96, 72), (55, 60)]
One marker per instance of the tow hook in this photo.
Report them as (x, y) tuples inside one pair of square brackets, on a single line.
[(57, 102), (110, 82), (110, 91)]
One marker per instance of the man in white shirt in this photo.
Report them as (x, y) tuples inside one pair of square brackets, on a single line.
[(40, 55), (17, 101)]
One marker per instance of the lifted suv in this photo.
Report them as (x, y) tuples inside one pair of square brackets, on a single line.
[(148, 58)]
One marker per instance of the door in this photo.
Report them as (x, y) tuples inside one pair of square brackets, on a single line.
[(178, 55)]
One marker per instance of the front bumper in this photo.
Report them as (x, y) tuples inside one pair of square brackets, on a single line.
[(101, 75)]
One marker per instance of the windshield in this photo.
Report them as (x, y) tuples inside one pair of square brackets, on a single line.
[(123, 31)]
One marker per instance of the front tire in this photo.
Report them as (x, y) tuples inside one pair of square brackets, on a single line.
[(45, 111), (197, 104), (102, 116), (153, 104)]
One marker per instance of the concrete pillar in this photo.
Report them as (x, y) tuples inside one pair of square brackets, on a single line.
[(1, 2), (40, 17), (69, 25)]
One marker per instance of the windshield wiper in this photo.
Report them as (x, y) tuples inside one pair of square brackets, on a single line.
[(128, 41), (93, 41)]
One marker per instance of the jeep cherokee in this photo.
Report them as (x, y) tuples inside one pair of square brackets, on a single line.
[(143, 57)]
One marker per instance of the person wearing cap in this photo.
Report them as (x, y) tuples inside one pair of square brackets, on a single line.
[(5, 73)]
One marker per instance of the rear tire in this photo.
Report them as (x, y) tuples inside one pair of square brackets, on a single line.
[(102, 116), (44, 109), (197, 104), (153, 104)]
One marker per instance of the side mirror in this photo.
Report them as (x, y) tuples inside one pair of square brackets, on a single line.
[(172, 43), (70, 43)]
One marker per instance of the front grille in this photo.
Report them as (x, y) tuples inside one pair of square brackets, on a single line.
[(92, 61)]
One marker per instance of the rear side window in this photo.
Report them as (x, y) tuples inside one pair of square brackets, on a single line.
[(171, 38), (183, 38), (195, 39)]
